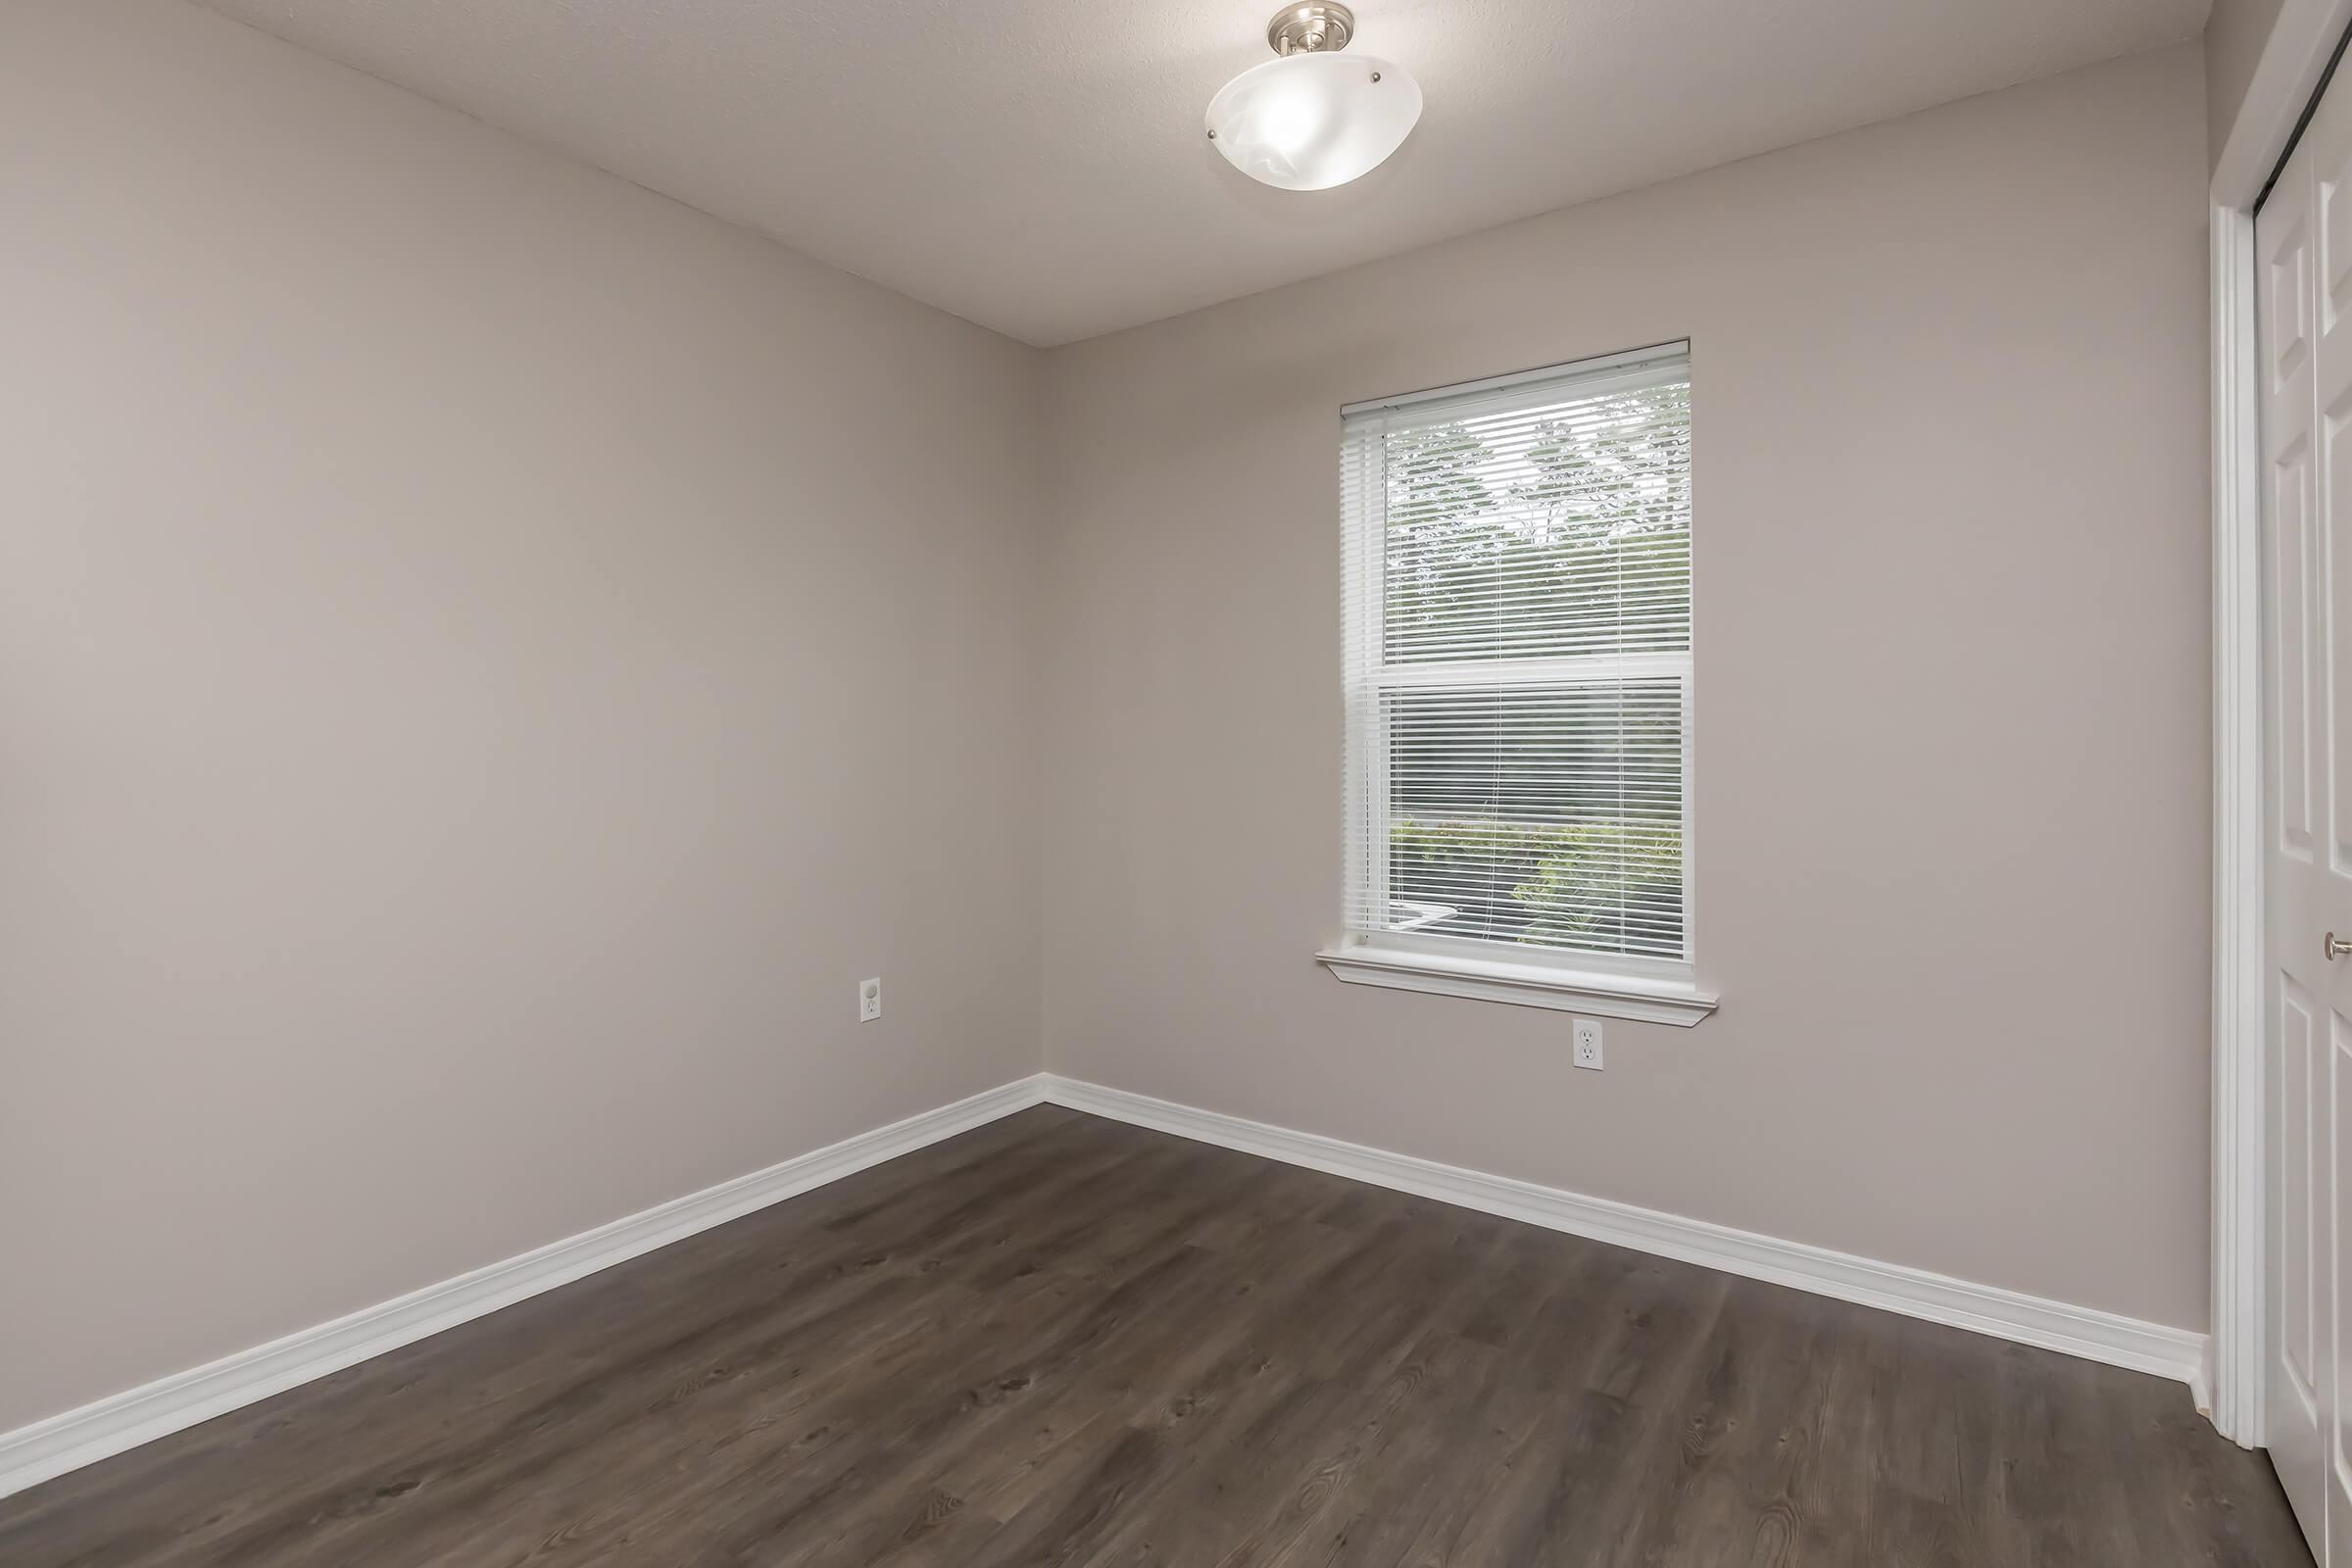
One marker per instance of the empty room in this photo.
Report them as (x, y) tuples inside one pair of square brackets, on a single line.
[(1375, 785)]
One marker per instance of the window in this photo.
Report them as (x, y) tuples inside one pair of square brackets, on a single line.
[(1518, 689)]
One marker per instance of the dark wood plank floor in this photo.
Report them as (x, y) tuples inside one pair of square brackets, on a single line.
[(1061, 1339)]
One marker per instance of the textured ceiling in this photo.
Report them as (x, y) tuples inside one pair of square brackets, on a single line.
[(1037, 166)]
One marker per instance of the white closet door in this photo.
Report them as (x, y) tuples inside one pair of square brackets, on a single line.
[(2304, 249)]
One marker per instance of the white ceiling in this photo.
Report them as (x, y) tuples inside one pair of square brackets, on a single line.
[(1039, 167)]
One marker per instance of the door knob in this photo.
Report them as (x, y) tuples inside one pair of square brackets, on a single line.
[(2335, 947)]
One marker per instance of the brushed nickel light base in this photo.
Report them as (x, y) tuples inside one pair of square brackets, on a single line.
[(1310, 29)]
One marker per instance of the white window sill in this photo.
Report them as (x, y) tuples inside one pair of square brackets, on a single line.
[(1529, 985)]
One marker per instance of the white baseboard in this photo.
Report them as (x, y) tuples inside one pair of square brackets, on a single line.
[(80, 1436), (2095, 1336)]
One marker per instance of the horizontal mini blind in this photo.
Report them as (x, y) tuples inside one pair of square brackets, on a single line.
[(1518, 663)]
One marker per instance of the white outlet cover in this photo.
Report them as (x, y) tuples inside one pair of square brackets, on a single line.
[(1585, 1033), (869, 999)]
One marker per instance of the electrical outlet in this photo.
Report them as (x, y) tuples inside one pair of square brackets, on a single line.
[(869, 999), (1587, 1034)]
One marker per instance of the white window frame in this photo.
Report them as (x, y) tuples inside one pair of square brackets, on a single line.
[(1647, 989)]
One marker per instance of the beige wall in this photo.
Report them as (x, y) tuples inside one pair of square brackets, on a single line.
[(488, 659), (2234, 35), (1952, 703)]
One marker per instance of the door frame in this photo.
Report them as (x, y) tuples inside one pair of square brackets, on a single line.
[(2294, 60)]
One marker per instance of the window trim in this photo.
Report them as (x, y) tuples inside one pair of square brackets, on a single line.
[(1672, 349), (1644, 989), (1680, 1002)]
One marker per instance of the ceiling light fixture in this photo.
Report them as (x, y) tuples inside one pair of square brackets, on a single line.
[(1313, 119)]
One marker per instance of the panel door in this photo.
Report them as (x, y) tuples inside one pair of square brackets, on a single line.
[(2302, 1043), (2304, 251)]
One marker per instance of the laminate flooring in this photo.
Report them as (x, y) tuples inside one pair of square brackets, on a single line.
[(1059, 1340)]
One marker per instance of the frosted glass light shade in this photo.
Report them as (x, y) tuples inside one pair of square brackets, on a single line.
[(1309, 121)]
